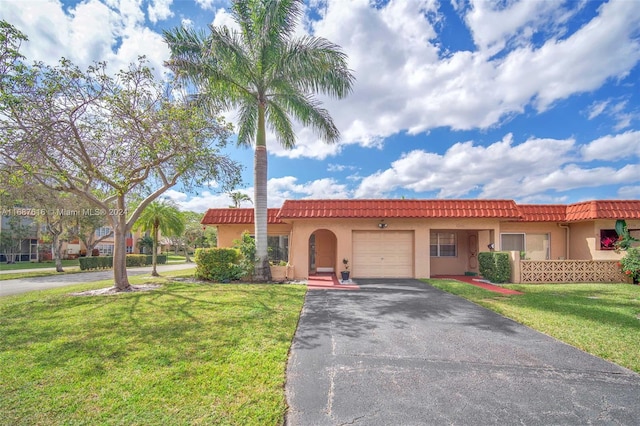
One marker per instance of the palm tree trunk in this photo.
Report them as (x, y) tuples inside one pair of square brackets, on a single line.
[(262, 270), (154, 255)]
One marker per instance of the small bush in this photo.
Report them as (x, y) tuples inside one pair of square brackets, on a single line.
[(495, 266), (218, 264), (106, 262), (630, 263), (247, 247), (161, 259), (136, 260), (98, 262)]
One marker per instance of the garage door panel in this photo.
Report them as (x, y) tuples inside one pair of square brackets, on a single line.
[(383, 254)]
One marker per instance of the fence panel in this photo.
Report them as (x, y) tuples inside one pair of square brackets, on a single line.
[(571, 271)]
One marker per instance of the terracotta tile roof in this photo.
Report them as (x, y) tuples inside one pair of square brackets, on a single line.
[(380, 209), (309, 209), (604, 209), (542, 212), (229, 216)]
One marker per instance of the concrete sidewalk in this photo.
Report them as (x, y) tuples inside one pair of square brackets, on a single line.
[(404, 353)]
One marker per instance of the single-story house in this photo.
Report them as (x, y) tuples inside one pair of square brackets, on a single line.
[(422, 238)]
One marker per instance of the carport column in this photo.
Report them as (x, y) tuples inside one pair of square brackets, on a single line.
[(422, 252)]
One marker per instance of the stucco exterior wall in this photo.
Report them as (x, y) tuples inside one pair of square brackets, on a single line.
[(228, 233), (424, 265), (580, 242)]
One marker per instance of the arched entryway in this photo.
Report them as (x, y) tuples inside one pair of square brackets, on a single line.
[(322, 251)]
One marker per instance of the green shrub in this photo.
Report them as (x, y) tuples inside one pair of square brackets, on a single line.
[(495, 266), (106, 262), (136, 260), (161, 259), (218, 264), (97, 262), (630, 263), (247, 247)]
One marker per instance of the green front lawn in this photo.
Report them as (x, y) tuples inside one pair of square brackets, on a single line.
[(180, 354), (602, 319)]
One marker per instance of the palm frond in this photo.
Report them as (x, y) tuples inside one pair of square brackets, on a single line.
[(308, 110), (278, 120), (248, 119), (317, 65)]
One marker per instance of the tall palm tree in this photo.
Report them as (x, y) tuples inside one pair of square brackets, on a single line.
[(270, 77), (238, 197), (159, 216)]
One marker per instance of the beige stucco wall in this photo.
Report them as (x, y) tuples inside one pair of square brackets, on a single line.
[(228, 233)]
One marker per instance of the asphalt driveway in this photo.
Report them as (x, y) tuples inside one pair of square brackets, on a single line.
[(400, 352)]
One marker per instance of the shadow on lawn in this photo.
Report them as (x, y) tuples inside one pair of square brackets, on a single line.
[(587, 303)]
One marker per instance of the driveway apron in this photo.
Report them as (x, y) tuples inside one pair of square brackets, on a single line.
[(400, 352)]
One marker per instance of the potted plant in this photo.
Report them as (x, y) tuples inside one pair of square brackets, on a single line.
[(345, 272)]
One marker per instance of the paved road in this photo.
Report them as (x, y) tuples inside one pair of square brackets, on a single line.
[(404, 353), (23, 285)]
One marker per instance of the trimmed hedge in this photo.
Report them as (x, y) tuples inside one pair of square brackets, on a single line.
[(97, 262), (218, 264), (495, 266), (106, 262)]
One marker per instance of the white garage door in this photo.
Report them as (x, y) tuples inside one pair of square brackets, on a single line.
[(383, 254)]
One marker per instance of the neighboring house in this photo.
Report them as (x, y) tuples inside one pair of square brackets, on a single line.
[(105, 247), (19, 239), (422, 238)]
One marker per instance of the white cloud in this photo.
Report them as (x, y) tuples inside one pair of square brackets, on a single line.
[(492, 28), (623, 146), (597, 108), (629, 192), (497, 170), (91, 31), (403, 83), (159, 10), (206, 4), (279, 189)]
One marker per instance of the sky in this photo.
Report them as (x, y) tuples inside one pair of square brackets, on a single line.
[(533, 101)]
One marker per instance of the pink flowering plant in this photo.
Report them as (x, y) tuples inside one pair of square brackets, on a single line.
[(630, 263), (608, 243)]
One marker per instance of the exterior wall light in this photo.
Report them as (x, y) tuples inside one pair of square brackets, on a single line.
[(382, 225)]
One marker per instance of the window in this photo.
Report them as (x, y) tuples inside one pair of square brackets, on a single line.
[(512, 242), (535, 246), (278, 248), (103, 231), (609, 237), (105, 249), (443, 244)]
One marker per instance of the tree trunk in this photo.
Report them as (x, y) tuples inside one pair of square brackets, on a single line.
[(262, 270), (154, 254), (120, 278), (56, 246), (187, 259)]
